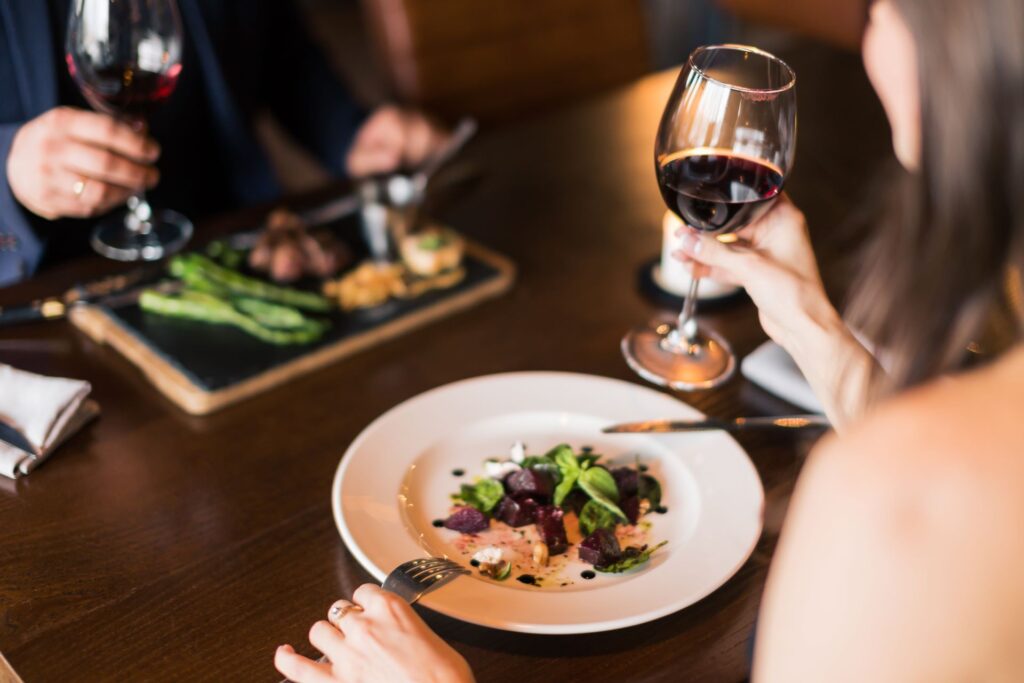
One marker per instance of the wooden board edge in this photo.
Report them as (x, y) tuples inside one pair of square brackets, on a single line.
[(172, 383), (104, 329)]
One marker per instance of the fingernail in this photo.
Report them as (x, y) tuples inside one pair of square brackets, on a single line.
[(691, 244), (154, 152)]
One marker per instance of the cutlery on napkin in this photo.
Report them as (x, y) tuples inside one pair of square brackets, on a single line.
[(37, 414)]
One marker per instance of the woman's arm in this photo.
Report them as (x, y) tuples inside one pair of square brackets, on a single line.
[(774, 262)]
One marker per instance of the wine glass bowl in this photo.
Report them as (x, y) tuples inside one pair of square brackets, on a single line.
[(722, 153), (125, 57)]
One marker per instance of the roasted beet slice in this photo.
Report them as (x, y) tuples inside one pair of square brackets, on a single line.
[(600, 548), (529, 483), (628, 481), (631, 506), (552, 529), (516, 511), (467, 520)]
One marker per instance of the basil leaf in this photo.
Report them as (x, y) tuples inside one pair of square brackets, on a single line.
[(564, 487), (649, 488), (587, 459), (564, 458), (596, 486), (601, 479), (484, 495), (595, 516), (634, 559)]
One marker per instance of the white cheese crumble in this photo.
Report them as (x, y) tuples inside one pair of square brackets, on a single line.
[(499, 469), (491, 555), (518, 452)]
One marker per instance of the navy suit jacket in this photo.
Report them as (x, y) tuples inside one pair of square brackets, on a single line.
[(251, 55)]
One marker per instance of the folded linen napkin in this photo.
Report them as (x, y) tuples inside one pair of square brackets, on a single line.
[(37, 414), (774, 370)]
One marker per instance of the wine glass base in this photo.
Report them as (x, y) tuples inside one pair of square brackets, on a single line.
[(169, 231), (704, 363)]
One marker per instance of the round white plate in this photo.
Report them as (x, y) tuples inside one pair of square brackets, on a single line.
[(396, 478)]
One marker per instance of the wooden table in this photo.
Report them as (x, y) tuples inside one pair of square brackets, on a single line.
[(158, 546)]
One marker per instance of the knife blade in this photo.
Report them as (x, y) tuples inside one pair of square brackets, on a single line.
[(734, 425), (55, 307)]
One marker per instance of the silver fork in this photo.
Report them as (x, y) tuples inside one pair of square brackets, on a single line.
[(413, 579)]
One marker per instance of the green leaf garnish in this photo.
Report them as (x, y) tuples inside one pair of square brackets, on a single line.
[(599, 484), (568, 467), (595, 516), (504, 572), (635, 559), (432, 242), (649, 488), (483, 495)]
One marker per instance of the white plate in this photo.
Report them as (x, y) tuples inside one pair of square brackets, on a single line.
[(396, 477)]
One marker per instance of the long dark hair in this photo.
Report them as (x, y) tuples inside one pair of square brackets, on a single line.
[(935, 278)]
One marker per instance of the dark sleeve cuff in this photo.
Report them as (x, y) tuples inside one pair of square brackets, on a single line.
[(21, 250)]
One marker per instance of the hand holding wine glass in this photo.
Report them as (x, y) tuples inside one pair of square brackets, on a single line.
[(125, 57), (724, 147)]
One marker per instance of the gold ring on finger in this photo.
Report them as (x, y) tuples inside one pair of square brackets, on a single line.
[(78, 187), (339, 609)]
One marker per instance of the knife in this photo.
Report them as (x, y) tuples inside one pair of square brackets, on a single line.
[(55, 307), (738, 424)]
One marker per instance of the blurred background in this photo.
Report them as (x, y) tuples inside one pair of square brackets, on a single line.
[(506, 60)]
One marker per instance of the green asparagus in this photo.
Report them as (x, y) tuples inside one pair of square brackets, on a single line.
[(206, 307), (199, 272)]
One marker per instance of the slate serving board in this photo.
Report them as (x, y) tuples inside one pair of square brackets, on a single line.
[(203, 367)]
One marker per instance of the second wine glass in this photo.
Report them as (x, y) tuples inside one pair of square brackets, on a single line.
[(125, 57), (724, 148)]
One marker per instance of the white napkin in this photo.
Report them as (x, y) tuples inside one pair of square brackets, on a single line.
[(770, 367), (43, 411)]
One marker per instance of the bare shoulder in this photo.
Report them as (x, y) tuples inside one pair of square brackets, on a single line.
[(969, 428), (905, 534)]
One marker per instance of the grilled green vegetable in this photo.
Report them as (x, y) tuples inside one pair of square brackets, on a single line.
[(205, 307), (201, 273)]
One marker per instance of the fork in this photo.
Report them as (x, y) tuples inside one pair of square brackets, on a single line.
[(413, 579)]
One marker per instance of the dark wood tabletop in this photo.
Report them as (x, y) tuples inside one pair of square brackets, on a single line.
[(159, 546)]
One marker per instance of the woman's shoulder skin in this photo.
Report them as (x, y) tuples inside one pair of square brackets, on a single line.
[(903, 549)]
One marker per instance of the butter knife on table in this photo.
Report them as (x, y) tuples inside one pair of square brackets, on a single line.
[(738, 424), (55, 307)]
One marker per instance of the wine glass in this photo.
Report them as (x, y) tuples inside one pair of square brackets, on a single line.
[(724, 147), (125, 57)]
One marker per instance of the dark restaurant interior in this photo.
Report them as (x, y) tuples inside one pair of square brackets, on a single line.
[(445, 341)]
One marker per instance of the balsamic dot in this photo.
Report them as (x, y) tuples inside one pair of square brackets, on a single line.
[(643, 468), (661, 509), (438, 523), (587, 449), (458, 472), (474, 563), (587, 574), (528, 579)]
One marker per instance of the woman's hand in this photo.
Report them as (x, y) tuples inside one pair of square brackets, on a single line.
[(390, 139), (70, 162), (772, 259), (386, 641)]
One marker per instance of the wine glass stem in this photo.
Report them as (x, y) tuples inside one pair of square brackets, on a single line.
[(683, 339), (139, 216)]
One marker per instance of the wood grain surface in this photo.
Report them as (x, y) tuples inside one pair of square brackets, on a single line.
[(162, 546)]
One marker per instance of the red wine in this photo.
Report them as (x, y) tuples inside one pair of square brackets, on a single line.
[(125, 90), (717, 190)]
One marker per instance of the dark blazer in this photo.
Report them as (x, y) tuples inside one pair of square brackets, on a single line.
[(248, 55)]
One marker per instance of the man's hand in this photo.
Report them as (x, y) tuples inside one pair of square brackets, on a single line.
[(391, 139), (71, 162)]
